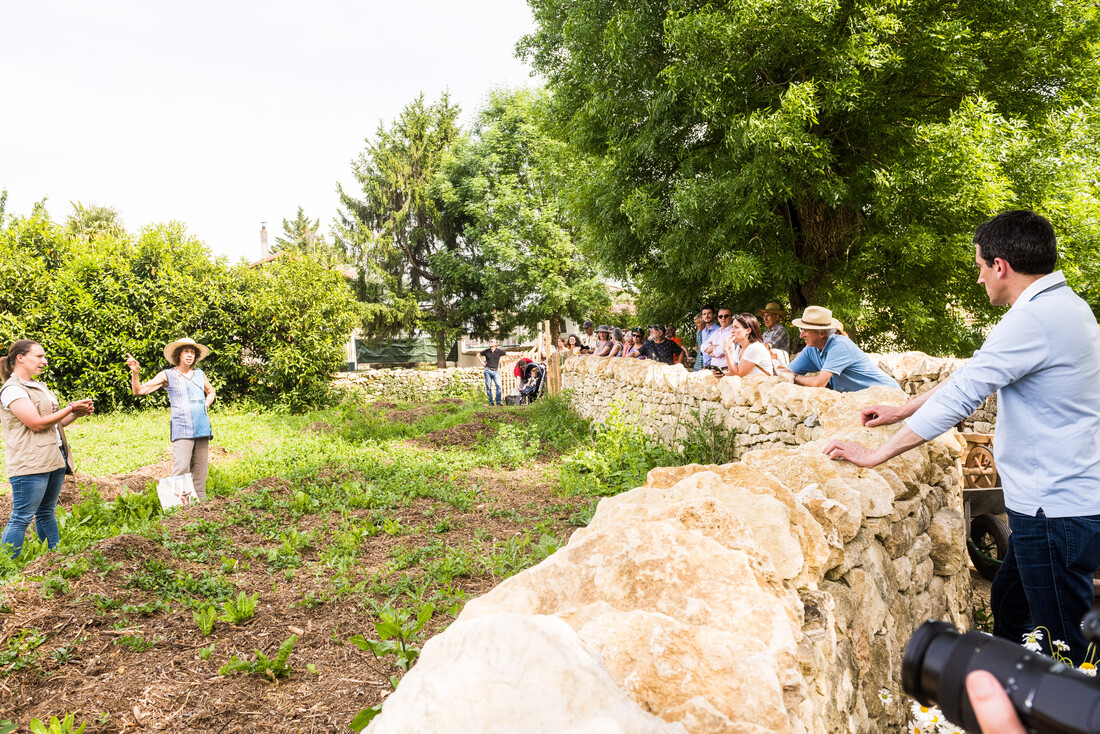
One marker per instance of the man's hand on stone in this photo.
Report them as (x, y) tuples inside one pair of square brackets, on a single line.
[(851, 451), (881, 415)]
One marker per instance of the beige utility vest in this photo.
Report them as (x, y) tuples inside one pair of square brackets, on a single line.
[(27, 451)]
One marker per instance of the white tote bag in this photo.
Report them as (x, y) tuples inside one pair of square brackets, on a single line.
[(176, 491)]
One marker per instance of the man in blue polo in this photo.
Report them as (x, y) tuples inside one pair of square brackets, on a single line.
[(838, 362), (1043, 361)]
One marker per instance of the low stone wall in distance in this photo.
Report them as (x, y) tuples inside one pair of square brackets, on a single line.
[(773, 594), (409, 384)]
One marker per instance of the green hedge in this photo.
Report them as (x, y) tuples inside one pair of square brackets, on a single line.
[(277, 332)]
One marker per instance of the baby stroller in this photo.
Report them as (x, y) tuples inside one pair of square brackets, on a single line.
[(534, 377)]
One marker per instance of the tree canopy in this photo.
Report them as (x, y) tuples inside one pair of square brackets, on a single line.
[(276, 332), (517, 261), (835, 153), (391, 229)]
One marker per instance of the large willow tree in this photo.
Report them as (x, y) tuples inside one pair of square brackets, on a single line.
[(824, 151)]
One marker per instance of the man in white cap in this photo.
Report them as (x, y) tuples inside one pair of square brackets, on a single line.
[(838, 362)]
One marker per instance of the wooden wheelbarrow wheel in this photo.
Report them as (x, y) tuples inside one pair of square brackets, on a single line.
[(979, 469)]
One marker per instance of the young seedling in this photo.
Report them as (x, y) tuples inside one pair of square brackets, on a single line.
[(64, 726), (241, 609), (205, 619), (396, 631), (270, 668)]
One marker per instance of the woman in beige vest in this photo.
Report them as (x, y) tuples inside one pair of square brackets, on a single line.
[(35, 450)]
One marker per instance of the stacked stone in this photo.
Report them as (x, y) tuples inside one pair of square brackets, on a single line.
[(410, 384), (916, 372), (668, 402), (774, 594)]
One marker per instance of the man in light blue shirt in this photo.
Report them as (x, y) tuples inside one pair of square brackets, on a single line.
[(1043, 360), (702, 360), (838, 362)]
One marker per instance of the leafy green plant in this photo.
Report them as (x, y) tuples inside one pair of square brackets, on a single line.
[(66, 725), (21, 652), (240, 609), (205, 619), (271, 668), (364, 717), (616, 459), (396, 631), (137, 643), (206, 652), (54, 586), (7, 727), (706, 440)]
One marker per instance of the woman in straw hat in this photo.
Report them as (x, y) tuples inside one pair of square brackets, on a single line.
[(190, 394), (775, 334)]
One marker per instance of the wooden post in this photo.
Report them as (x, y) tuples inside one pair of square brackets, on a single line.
[(553, 363)]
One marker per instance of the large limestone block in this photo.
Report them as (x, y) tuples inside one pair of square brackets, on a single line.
[(947, 532), (790, 398), (729, 392), (811, 536), (656, 567), (710, 680), (712, 504), (512, 673), (703, 384), (842, 410)]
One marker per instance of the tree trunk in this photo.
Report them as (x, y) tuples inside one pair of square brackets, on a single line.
[(441, 350)]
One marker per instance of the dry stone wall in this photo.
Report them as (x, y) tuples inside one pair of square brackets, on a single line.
[(410, 384), (773, 594)]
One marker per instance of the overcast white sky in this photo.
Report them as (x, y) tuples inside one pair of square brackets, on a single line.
[(225, 114)]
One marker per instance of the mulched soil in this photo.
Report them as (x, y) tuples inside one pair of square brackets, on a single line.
[(169, 687)]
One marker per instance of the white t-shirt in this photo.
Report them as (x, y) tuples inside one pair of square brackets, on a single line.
[(756, 353), (11, 393)]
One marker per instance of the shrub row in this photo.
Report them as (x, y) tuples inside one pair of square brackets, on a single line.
[(276, 331)]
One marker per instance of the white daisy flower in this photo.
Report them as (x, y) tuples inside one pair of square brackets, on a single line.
[(1088, 669), (1031, 640), (1060, 646), (885, 697)]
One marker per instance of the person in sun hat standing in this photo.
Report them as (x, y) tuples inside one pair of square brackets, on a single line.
[(190, 395)]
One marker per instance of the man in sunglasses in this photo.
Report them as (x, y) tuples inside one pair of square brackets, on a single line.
[(715, 345)]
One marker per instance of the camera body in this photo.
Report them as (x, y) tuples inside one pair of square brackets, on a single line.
[(1047, 695)]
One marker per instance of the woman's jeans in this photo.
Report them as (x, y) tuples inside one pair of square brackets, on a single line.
[(1046, 579), (492, 377), (34, 496)]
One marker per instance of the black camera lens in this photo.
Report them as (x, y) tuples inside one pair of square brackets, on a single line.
[(1048, 696)]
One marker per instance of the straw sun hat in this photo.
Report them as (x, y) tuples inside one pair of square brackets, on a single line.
[(170, 350), (772, 307), (817, 318)]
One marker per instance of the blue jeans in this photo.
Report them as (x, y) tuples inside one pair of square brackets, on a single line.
[(492, 377), (34, 496), (1046, 579)]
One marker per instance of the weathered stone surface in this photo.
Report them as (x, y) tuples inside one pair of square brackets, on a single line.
[(774, 594), (948, 535), (510, 673)]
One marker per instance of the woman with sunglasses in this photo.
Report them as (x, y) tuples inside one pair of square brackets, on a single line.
[(745, 350)]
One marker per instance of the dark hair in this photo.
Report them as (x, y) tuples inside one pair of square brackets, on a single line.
[(708, 307), (18, 349), (179, 352), (1022, 238), (571, 338), (750, 322)]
